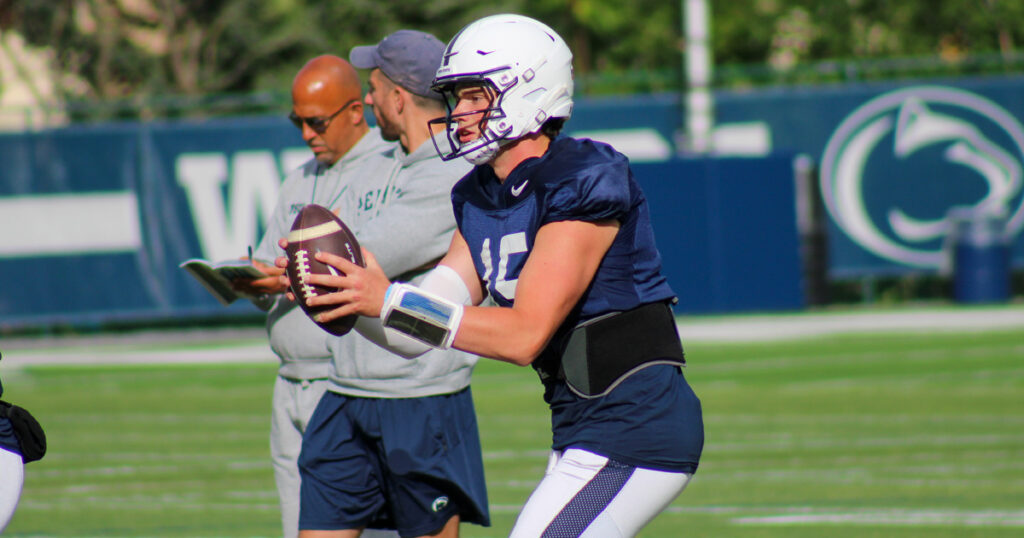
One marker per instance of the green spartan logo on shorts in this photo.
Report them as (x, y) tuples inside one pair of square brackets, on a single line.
[(439, 504)]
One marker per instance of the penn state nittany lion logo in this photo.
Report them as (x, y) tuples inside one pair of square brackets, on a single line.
[(940, 149), (439, 503)]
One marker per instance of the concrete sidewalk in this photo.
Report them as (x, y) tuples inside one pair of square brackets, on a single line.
[(249, 344), (188, 345), (802, 325)]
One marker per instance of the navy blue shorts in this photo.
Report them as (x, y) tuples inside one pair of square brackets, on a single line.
[(406, 463)]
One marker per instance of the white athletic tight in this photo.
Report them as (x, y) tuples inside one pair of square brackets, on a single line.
[(585, 495)]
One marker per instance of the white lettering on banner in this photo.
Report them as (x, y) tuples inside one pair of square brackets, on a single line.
[(640, 145), (69, 224), (226, 228), (292, 158), (915, 119)]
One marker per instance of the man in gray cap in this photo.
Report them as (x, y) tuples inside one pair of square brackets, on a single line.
[(393, 442), (403, 66)]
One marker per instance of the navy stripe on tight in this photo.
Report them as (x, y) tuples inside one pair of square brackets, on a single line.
[(590, 501)]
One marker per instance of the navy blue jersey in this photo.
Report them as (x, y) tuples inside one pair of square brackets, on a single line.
[(579, 179), (575, 180)]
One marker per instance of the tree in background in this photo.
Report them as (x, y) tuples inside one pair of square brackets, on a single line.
[(137, 51), (120, 49), (943, 37), (140, 49)]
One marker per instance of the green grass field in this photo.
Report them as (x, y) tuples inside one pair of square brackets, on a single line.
[(844, 436)]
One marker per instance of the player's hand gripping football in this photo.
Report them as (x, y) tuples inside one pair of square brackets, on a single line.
[(361, 290)]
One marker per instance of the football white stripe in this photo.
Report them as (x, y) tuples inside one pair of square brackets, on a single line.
[(313, 232)]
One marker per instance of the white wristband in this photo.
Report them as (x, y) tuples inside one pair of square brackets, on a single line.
[(422, 315)]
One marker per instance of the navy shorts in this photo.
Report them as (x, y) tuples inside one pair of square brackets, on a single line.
[(405, 463)]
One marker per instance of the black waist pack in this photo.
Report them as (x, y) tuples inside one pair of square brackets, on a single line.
[(31, 439), (604, 351)]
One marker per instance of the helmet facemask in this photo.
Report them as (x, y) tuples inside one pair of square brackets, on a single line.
[(493, 132)]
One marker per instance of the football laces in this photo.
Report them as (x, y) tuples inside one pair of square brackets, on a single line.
[(302, 269)]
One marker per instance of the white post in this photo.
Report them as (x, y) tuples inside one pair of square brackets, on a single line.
[(699, 111)]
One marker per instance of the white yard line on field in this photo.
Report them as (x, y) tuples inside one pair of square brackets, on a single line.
[(795, 515), (900, 517)]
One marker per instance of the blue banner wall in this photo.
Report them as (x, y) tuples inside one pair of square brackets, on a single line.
[(893, 158), (726, 231), (72, 281), (113, 210), (95, 220), (209, 188)]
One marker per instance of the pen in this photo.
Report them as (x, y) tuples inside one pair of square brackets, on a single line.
[(250, 254)]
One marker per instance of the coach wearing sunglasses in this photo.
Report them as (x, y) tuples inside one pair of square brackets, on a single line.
[(328, 112), (328, 144)]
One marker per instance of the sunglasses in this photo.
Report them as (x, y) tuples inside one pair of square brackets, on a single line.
[(318, 124)]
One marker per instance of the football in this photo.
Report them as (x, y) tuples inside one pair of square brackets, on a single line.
[(318, 229)]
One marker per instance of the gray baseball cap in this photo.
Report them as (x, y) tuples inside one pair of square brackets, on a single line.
[(410, 58)]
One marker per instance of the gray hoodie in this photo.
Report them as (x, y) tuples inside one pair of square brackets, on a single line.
[(402, 213)]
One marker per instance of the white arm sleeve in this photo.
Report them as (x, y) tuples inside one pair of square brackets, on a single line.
[(442, 281)]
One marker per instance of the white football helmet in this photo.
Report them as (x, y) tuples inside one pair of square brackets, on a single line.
[(524, 64)]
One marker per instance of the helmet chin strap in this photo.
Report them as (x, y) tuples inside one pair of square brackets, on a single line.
[(482, 154)]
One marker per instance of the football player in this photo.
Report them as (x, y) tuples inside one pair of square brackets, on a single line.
[(22, 440), (12, 470), (556, 231)]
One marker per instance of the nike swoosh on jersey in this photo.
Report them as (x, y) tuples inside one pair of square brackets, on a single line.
[(518, 189)]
